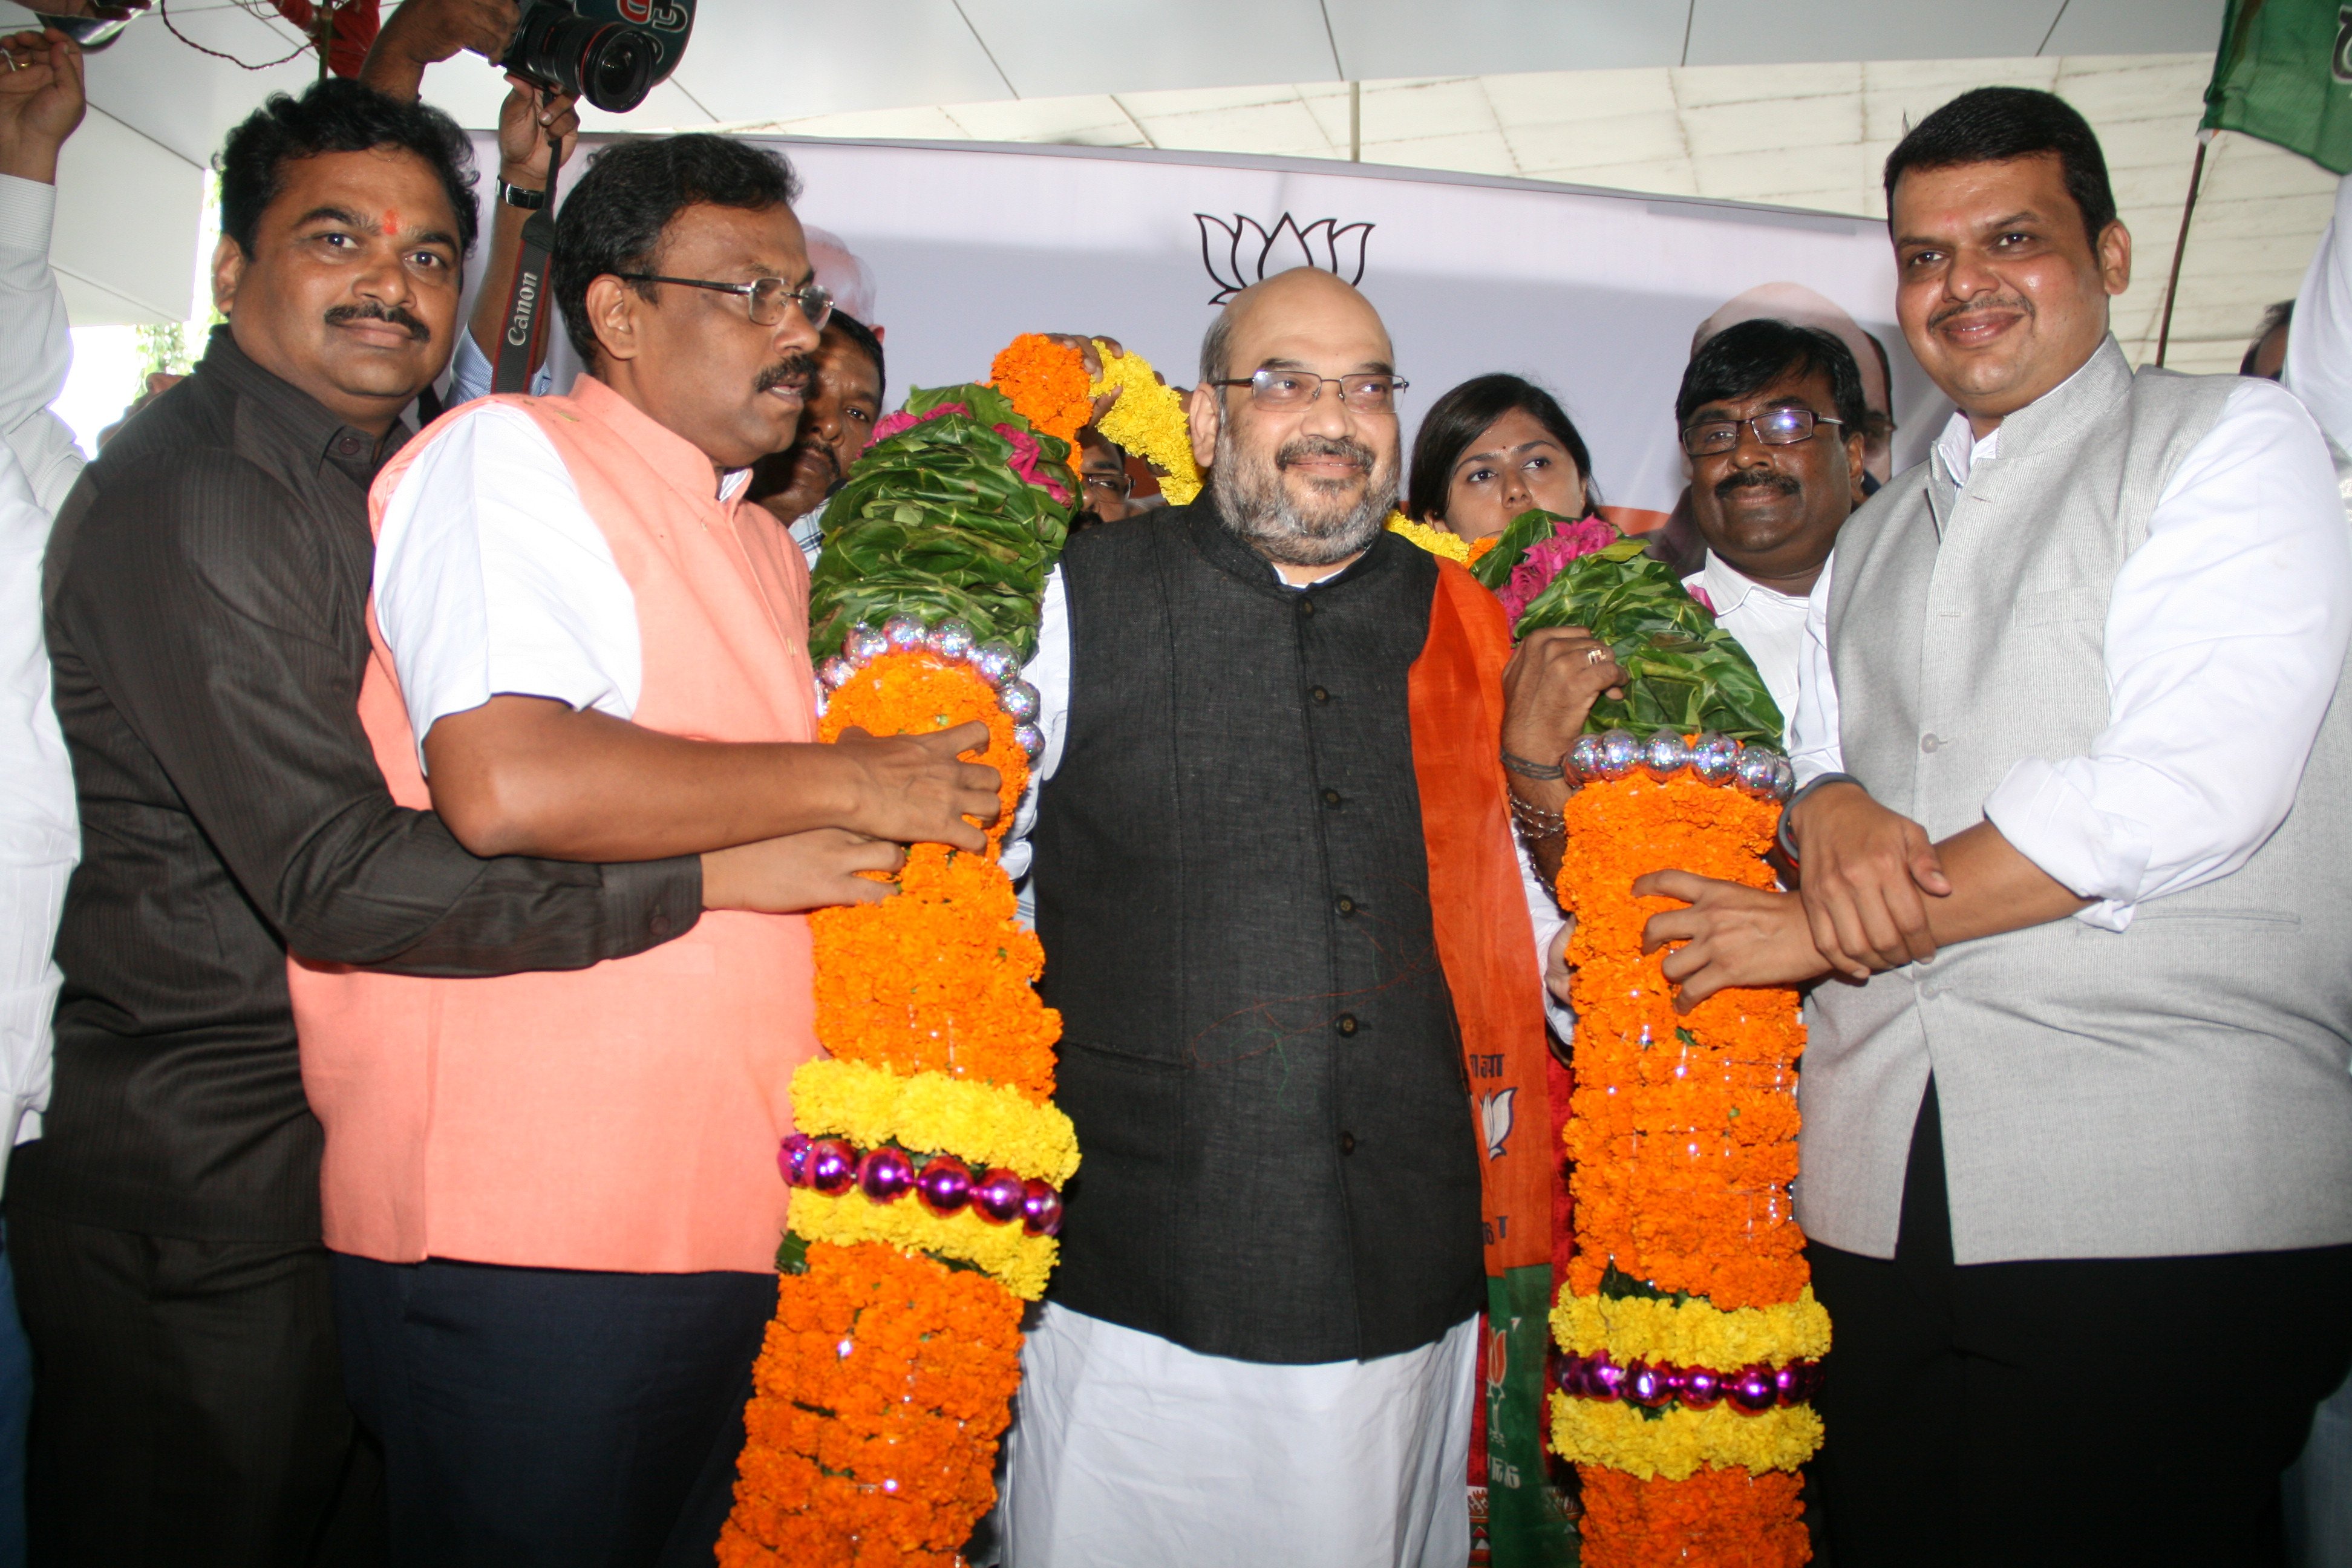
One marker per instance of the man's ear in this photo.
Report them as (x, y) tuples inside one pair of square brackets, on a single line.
[(229, 271), (1855, 466), (1204, 412), (2115, 250), (613, 308)]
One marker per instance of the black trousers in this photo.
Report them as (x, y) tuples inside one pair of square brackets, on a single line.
[(2128, 1411), (551, 1417), (188, 1405)]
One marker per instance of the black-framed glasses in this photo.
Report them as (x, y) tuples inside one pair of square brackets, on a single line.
[(1773, 427), (1366, 392), (767, 297)]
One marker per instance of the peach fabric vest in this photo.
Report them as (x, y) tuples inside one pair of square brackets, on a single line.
[(624, 1117)]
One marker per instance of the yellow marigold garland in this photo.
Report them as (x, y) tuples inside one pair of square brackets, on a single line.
[(1672, 1442), (886, 1376), (1692, 1333), (1441, 540), (1017, 1260), (1683, 1132), (936, 1114), (1147, 420), (1046, 381)]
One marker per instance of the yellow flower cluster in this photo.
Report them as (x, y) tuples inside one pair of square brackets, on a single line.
[(1147, 420), (1436, 540), (1015, 1259), (1676, 1442), (934, 1113), (1692, 1333)]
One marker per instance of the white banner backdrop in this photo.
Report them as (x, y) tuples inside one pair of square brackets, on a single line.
[(1593, 293)]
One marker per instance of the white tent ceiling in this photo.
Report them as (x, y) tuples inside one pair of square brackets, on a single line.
[(1712, 98)]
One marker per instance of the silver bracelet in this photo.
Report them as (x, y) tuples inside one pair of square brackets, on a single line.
[(1535, 824)]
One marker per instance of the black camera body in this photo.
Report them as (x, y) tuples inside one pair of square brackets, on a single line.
[(609, 53)]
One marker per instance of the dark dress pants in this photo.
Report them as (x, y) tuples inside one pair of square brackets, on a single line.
[(188, 1404), (2136, 1412), (551, 1417)]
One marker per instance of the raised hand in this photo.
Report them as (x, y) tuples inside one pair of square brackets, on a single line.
[(423, 32), (525, 121), (41, 101)]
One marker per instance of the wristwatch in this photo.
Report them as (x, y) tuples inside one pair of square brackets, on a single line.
[(517, 196)]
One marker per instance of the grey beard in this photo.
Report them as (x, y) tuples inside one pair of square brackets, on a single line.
[(1253, 503)]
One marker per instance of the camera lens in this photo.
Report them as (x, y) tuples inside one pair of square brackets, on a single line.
[(557, 49), (616, 70)]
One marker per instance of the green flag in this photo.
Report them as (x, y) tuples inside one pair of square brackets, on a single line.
[(2285, 74)]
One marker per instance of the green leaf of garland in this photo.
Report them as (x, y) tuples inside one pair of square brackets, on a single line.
[(933, 522)]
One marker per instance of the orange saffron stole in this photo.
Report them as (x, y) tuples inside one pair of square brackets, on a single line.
[(1485, 942)]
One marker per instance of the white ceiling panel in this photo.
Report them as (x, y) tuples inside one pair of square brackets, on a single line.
[(2137, 27), (1734, 32), (1056, 48), (752, 59), (1414, 37), (170, 93)]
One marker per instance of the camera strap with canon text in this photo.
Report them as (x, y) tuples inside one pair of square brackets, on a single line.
[(527, 296)]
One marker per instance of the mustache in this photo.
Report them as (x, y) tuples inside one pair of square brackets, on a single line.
[(342, 315), (1299, 448), (799, 368), (1754, 479), (2017, 303)]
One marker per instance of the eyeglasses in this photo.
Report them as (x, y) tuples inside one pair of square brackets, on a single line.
[(1366, 393), (766, 296), (1773, 427), (1118, 485)]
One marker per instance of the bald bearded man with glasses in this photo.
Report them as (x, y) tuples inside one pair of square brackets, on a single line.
[(1303, 1032)]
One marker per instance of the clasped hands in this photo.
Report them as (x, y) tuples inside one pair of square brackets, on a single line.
[(1869, 882)]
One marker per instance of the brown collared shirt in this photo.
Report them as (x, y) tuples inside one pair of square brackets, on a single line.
[(206, 595)]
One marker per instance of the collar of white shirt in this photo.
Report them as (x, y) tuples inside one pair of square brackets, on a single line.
[(1727, 589)]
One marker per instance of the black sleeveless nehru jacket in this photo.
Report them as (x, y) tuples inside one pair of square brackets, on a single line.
[(1258, 1050)]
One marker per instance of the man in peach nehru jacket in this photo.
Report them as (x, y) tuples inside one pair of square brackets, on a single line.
[(554, 1198)]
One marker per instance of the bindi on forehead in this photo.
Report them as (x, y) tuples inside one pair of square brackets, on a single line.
[(391, 223)]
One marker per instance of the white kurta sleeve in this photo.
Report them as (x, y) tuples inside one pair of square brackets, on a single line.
[(1814, 748), (492, 579), (33, 327), (39, 840), (1049, 671), (1543, 911), (2225, 637), (2319, 343)]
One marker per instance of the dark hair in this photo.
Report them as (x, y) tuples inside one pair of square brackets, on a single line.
[(615, 217), (861, 338), (1994, 124), (1745, 358), (2279, 315), (1459, 417), (336, 116)]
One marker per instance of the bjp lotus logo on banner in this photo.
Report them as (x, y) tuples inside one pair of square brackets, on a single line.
[(1245, 251)]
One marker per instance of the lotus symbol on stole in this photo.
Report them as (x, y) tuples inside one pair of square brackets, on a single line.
[(1245, 251), (1494, 1115)]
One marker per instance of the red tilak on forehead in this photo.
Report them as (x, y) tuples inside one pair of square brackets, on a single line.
[(391, 223)]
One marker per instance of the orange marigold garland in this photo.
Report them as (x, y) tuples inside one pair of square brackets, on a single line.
[(1683, 1132), (886, 1379), (1046, 381)]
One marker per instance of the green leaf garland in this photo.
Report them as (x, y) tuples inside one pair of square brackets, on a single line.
[(934, 522)]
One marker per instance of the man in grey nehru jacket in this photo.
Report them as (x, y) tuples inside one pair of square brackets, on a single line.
[(2072, 836)]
